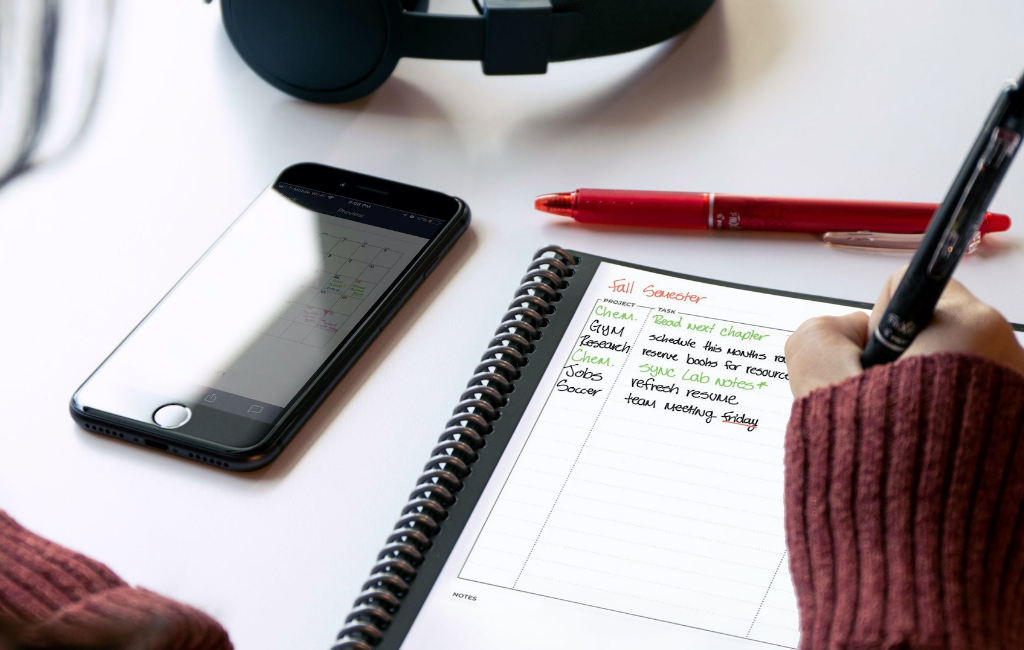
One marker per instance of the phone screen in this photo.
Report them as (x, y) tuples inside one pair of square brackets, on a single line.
[(261, 312)]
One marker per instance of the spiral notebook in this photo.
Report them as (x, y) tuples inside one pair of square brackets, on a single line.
[(612, 477)]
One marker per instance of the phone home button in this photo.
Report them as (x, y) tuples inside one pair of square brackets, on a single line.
[(172, 416)]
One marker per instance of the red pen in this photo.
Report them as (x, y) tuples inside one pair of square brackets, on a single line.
[(862, 222)]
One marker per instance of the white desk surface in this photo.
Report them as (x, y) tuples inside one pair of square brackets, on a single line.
[(871, 100)]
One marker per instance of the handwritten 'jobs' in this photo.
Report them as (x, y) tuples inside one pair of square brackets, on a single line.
[(651, 481)]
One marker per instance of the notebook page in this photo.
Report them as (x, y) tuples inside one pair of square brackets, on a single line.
[(640, 499)]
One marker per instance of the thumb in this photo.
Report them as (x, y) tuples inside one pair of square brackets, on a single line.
[(825, 351)]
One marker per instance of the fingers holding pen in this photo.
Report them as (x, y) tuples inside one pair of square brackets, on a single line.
[(959, 323), (962, 323), (825, 350)]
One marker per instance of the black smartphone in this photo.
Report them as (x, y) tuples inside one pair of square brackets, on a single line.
[(232, 361)]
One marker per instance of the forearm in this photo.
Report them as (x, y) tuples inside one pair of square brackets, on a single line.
[(904, 518), (51, 597)]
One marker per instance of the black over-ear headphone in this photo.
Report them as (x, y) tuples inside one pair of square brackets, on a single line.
[(340, 50)]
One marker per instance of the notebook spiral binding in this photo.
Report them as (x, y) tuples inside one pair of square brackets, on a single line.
[(450, 461)]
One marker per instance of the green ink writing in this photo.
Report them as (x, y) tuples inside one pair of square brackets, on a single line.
[(617, 315), (580, 356), (743, 335), (667, 322), (657, 371)]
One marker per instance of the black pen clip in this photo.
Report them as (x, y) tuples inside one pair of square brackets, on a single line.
[(999, 152)]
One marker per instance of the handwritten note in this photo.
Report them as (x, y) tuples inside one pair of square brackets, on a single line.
[(646, 476)]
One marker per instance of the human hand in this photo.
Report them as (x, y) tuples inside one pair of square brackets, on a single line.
[(827, 349)]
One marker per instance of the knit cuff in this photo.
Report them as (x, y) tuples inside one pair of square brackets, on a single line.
[(904, 518), (51, 597)]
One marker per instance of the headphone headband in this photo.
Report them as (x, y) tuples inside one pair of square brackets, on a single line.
[(510, 37), (617, 26), (339, 50)]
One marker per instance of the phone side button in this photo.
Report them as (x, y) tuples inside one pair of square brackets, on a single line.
[(430, 268)]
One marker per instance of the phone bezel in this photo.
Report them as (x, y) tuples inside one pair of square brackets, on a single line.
[(340, 182)]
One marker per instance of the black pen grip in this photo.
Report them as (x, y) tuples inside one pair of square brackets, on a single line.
[(907, 313), (876, 353)]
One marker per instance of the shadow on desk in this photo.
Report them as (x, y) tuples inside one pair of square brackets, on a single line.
[(396, 98), (691, 71), (997, 246), (291, 130)]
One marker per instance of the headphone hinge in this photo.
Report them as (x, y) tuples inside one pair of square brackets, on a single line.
[(517, 36)]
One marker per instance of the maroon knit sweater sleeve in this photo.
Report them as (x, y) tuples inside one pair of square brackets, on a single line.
[(904, 517), (51, 597)]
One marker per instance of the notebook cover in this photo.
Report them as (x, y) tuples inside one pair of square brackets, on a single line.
[(503, 428)]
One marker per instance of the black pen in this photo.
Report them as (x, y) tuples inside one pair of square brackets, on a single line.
[(950, 231)]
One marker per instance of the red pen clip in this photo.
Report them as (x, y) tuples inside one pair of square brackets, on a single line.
[(886, 241)]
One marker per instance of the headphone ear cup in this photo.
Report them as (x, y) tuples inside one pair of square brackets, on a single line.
[(315, 50)]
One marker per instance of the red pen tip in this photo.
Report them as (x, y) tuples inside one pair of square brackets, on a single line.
[(995, 222), (560, 204)]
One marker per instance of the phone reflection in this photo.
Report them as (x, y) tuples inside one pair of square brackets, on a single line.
[(247, 327)]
